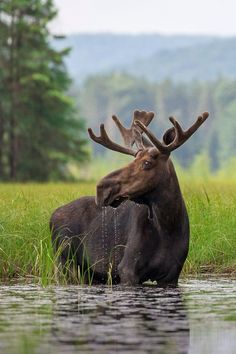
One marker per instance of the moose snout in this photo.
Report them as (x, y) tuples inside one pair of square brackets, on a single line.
[(107, 192)]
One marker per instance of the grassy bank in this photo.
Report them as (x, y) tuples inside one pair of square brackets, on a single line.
[(25, 244)]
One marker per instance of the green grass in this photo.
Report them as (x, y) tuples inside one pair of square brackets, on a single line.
[(212, 209), (25, 242)]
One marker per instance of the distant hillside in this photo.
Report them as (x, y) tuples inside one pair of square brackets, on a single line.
[(94, 54), (203, 61)]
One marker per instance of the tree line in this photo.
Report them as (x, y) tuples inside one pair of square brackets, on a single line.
[(40, 131), (104, 95)]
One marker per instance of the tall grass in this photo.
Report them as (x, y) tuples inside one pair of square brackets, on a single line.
[(25, 241), (212, 209)]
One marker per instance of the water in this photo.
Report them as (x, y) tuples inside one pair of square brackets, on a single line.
[(198, 317)]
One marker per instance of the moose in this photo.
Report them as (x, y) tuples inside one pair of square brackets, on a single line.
[(136, 228)]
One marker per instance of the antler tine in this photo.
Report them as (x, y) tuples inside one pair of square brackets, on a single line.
[(125, 133), (143, 116), (180, 135), (161, 147), (133, 134), (104, 140), (200, 120)]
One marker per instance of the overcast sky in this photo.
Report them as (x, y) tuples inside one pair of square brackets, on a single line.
[(217, 17)]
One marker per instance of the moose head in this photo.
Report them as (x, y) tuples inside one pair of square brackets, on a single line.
[(151, 166)]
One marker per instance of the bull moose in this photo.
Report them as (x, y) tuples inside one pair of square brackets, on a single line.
[(137, 227)]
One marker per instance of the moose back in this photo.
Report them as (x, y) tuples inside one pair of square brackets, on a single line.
[(136, 228)]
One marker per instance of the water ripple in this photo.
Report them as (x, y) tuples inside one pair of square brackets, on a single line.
[(198, 317)]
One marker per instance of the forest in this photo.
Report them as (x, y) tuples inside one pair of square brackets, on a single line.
[(104, 95)]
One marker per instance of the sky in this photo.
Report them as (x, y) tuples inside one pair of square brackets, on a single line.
[(210, 17)]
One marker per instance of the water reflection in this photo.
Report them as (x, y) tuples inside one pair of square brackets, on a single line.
[(141, 320), (198, 318)]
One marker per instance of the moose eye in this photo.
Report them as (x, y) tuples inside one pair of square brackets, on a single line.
[(147, 165)]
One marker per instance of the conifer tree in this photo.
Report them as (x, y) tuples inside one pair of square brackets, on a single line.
[(39, 129)]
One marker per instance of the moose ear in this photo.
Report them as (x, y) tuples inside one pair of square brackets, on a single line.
[(169, 136)]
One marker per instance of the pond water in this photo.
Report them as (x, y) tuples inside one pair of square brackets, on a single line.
[(198, 317)]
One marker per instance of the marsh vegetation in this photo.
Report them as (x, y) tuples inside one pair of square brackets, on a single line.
[(25, 209)]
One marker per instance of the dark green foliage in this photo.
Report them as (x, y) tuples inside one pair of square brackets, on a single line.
[(102, 96), (39, 130)]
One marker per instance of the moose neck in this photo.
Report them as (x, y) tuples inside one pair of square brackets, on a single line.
[(165, 202)]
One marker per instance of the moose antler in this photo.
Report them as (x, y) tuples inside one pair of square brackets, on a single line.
[(134, 133), (130, 136), (104, 140), (180, 135)]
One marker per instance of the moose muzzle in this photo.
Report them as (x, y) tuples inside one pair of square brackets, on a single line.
[(107, 193)]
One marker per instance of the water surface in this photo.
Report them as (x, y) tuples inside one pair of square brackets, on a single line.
[(198, 317)]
